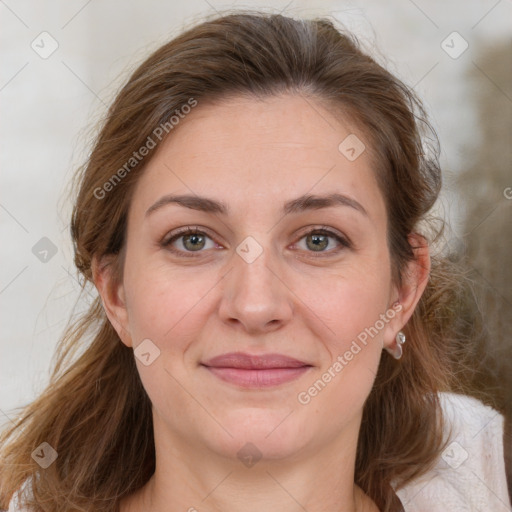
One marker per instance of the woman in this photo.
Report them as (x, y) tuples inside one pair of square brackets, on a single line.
[(271, 329)]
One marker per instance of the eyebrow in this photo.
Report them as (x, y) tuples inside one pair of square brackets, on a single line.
[(300, 204)]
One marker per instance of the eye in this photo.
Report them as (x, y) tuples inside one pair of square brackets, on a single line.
[(318, 240), (188, 240)]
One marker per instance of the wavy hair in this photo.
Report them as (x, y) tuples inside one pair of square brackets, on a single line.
[(95, 412)]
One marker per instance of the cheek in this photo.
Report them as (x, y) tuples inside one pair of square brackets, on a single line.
[(169, 309), (167, 304), (159, 305), (352, 312), (354, 305), (349, 302)]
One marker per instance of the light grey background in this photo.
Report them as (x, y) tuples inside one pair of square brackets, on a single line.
[(50, 106)]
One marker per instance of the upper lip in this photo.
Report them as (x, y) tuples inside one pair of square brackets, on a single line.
[(254, 362)]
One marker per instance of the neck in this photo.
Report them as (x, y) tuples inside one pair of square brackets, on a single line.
[(191, 477)]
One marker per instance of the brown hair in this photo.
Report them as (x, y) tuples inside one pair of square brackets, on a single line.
[(95, 411)]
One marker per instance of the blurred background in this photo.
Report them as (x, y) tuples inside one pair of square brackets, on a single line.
[(62, 62)]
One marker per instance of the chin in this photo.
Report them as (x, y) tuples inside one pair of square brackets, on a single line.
[(270, 434)]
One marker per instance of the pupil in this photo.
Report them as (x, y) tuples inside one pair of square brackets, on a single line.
[(319, 243), (194, 239)]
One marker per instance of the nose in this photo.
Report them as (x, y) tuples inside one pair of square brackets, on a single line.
[(255, 295)]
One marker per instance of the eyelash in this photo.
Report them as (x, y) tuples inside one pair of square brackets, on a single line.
[(323, 230)]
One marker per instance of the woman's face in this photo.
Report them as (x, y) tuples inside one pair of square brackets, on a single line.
[(267, 275)]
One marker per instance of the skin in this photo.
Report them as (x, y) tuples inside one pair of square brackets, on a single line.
[(254, 155)]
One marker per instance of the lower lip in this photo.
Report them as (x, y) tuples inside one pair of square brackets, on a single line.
[(258, 378)]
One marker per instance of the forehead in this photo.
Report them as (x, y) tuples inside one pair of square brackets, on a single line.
[(246, 150)]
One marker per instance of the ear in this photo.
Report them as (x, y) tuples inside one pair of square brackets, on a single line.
[(414, 282), (112, 295)]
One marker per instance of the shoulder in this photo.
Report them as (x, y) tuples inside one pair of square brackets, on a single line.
[(14, 504), (15, 507), (465, 410), (470, 473)]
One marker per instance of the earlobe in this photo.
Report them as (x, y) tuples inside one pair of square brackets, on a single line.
[(112, 295)]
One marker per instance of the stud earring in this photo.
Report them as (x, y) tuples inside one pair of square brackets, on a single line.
[(397, 350)]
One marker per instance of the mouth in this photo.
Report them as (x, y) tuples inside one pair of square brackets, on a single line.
[(256, 371)]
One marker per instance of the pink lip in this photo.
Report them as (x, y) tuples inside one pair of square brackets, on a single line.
[(254, 362), (256, 371)]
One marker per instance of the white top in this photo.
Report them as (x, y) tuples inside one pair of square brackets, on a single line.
[(469, 475)]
